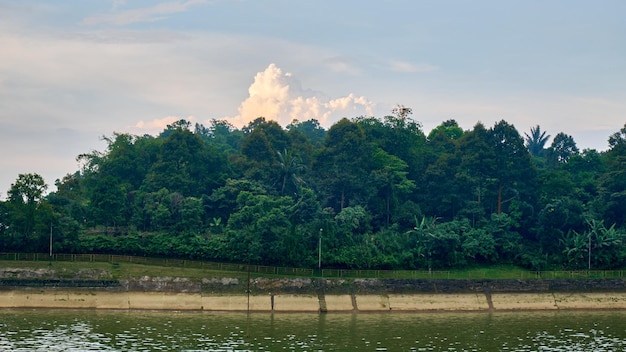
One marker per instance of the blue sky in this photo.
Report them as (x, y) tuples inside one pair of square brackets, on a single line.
[(73, 71)]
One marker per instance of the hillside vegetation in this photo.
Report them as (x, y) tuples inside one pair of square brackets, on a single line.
[(367, 193)]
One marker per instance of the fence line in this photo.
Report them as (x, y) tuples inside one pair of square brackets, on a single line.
[(347, 273)]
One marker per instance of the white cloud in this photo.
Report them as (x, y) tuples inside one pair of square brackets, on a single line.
[(145, 14), (118, 3), (278, 96), (408, 67), (342, 64)]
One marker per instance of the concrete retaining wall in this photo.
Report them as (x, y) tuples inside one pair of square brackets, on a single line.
[(98, 299), (312, 295)]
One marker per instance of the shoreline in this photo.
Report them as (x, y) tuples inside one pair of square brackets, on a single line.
[(297, 303), (262, 294)]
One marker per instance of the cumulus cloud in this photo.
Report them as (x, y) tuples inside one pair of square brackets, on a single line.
[(277, 95)]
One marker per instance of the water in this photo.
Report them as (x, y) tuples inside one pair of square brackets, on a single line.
[(84, 330)]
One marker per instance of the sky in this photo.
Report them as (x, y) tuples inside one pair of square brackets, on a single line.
[(72, 72)]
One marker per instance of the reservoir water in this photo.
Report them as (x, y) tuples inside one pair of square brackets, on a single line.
[(88, 330)]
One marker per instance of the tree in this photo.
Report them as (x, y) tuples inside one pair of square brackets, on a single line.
[(613, 181), (222, 202), (343, 165), (258, 229), (585, 171), (181, 124), (617, 141), (24, 211), (596, 247), (222, 135), (390, 177), (258, 156), (562, 149), (353, 222), (124, 161), (439, 178), (560, 216), (425, 241), (187, 165), (191, 213), (475, 172), (290, 168), (440, 194), (514, 174), (478, 246), (4, 226), (27, 189), (259, 149), (605, 245), (449, 128), (402, 112), (311, 129), (153, 211), (398, 135), (536, 141), (107, 202)]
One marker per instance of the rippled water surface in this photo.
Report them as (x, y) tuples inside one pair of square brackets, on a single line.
[(84, 330)]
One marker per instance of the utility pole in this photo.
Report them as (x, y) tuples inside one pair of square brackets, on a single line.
[(50, 240), (589, 252), (319, 252)]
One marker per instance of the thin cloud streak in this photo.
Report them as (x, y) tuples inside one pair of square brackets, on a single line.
[(408, 67), (147, 14)]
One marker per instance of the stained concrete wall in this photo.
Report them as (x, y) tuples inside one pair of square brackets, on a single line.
[(97, 299), (312, 295)]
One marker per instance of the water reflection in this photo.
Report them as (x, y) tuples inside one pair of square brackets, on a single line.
[(82, 330)]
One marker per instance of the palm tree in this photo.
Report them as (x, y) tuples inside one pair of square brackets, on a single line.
[(536, 141), (290, 167)]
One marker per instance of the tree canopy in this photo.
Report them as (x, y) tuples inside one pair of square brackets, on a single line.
[(378, 192)]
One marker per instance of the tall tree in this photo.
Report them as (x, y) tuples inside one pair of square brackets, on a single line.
[(27, 189), (108, 198), (187, 165), (343, 166), (515, 176), (476, 172), (312, 129), (262, 140), (536, 141), (290, 168), (613, 182), (563, 147), (398, 135), (449, 128), (390, 178), (24, 205), (222, 135)]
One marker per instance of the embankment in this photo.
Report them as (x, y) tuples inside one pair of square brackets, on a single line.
[(24, 289)]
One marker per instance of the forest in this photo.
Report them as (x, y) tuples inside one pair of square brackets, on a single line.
[(367, 192)]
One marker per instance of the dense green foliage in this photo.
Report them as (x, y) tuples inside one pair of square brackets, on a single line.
[(375, 193)]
